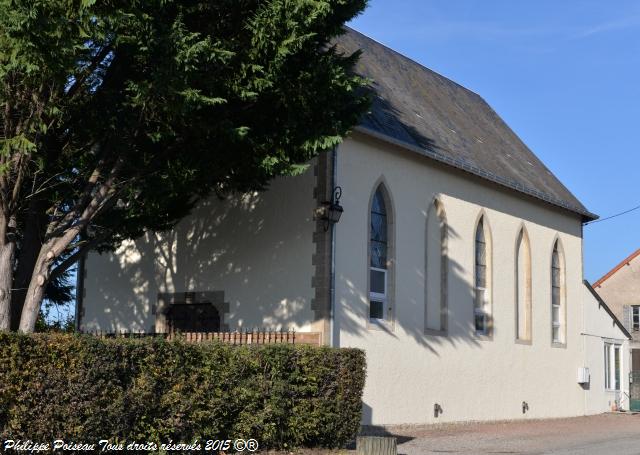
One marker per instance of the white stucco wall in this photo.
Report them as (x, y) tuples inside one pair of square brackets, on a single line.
[(470, 377), (599, 329), (256, 248)]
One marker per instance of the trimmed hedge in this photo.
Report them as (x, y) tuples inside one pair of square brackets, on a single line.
[(81, 388)]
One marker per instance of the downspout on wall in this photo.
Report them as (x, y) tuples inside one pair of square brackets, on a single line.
[(583, 330)]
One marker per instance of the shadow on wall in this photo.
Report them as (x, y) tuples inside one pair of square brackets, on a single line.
[(387, 118), (409, 311), (459, 308), (461, 296), (256, 248)]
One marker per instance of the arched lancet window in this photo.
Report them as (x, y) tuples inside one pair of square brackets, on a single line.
[(482, 279), (436, 270), (557, 295), (523, 287), (379, 254)]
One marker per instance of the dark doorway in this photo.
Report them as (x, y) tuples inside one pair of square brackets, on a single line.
[(635, 359), (193, 317)]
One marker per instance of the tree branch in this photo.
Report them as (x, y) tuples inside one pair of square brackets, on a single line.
[(58, 226), (88, 71), (21, 164), (75, 256), (57, 244)]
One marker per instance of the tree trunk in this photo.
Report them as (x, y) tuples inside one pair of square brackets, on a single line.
[(35, 292), (6, 280), (27, 256), (57, 245)]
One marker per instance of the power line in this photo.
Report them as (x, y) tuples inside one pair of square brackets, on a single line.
[(613, 216)]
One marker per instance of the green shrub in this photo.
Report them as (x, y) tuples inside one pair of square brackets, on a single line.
[(80, 388)]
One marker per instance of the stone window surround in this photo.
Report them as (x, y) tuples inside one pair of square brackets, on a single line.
[(389, 322), (522, 241), (436, 208), (557, 242), (488, 237)]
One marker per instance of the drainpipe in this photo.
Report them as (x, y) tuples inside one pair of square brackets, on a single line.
[(585, 404), (332, 291), (584, 349)]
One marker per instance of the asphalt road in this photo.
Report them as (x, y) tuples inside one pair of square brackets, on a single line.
[(607, 434)]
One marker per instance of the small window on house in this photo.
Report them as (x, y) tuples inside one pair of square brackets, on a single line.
[(557, 295), (482, 280), (612, 366), (523, 287), (436, 264), (635, 318), (378, 253)]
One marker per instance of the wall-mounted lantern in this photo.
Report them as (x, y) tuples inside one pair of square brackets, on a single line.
[(331, 211)]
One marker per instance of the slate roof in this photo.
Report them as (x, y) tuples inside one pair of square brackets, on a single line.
[(423, 111)]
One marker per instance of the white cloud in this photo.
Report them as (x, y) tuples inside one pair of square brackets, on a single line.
[(609, 26)]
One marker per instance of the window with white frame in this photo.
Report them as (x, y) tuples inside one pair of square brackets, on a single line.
[(607, 366), (378, 252), (635, 318), (557, 334), (616, 366), (481, 281), (612, 366)]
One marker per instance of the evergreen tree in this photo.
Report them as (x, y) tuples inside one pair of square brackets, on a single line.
[(118, 116)]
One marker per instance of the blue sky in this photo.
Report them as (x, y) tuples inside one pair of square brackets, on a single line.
[(564, 75)]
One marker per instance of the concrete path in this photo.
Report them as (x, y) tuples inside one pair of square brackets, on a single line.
[(607, 434)]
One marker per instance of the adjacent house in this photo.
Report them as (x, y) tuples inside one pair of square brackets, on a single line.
[(620, 288), (606, 345), (456, 263)]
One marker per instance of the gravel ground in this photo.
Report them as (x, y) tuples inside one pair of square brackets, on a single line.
[(606, 434)]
